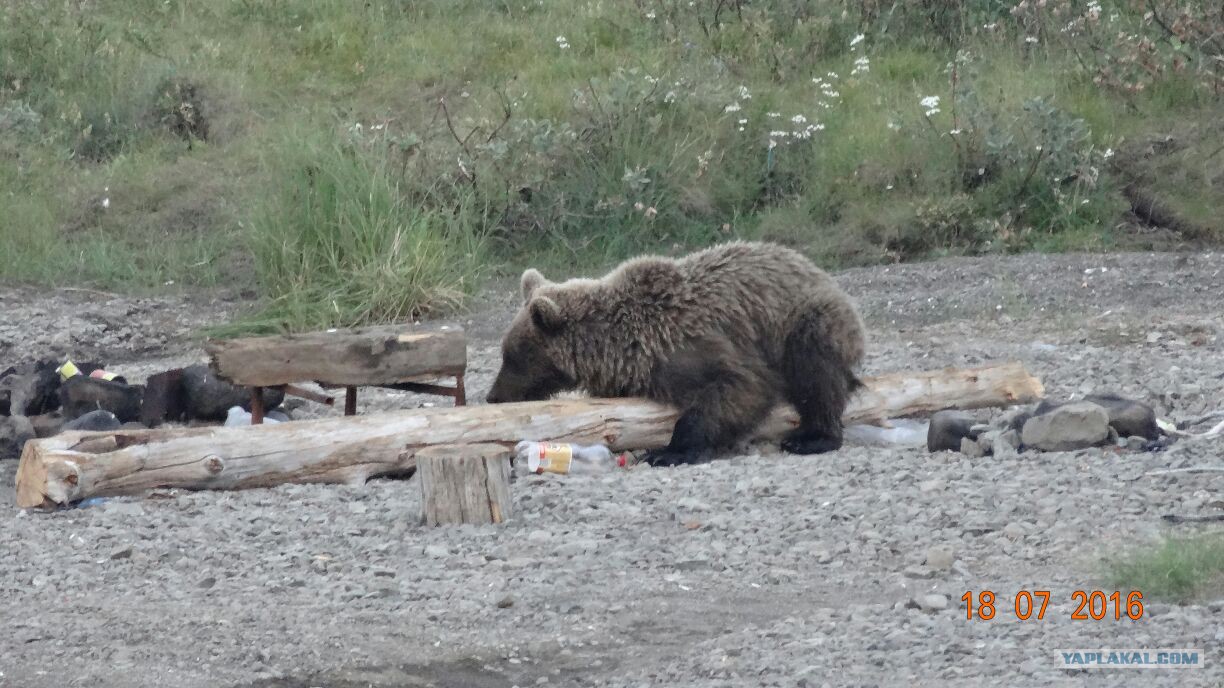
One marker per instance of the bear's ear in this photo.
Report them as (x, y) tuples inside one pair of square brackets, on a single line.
[(532, 279), (546, 315)]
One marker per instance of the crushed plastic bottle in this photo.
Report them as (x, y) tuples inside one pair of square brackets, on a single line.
[(578, 459), (902, 431), (238, 416)]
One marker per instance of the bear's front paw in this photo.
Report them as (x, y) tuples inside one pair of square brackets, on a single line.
[(664, 457), (810, 445)]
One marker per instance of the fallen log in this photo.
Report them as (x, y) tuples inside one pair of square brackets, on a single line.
[(364, 356), (72, 466)]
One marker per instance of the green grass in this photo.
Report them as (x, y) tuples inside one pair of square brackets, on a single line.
[(196, 120), (341, 243), (1179, 569)]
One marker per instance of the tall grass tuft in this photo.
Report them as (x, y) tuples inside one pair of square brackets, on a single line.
[(341, 243), (1180, 569)]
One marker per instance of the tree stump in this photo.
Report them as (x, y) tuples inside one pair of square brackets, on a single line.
[(467, 483)]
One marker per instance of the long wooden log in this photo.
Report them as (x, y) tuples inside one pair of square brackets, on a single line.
[(364, 356), (72, 466)]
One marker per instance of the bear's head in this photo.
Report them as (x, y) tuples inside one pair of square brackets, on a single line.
[(536, 358)]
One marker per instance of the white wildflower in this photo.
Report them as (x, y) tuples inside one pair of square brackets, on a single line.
[(1109, 152), (733, 107), (954, 132), (562, 43), (779, 134), (798, 119), (652, 80), (931, 103), (861, 66), (773, 114), (670, 97), (743, 93), (650, 15), (1030, 39), (856, 40), (743, 121), (894, 126), (832, 75), (817, 80)]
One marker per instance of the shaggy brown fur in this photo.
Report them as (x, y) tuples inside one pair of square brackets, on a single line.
[(723, 333)]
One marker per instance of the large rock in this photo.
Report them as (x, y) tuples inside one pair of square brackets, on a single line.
[(79, 395), (95, 421), (948, 428), (1067, 427), (15, 431), (1129, 417), (208, 397)]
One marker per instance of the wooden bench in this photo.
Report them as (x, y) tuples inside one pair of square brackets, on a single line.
[(401, 357)]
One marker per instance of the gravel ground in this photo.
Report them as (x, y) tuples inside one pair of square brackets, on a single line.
[(759, 570)]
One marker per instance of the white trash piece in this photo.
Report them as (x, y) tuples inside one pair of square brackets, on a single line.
[(904, 432), (549, 457), (237, 417)]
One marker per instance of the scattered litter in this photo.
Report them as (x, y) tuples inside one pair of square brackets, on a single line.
[(92, 501), (902, 431), (548, 457), (237, 416)]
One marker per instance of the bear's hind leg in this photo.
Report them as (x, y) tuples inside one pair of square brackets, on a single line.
[(818, 384), (723, 398)]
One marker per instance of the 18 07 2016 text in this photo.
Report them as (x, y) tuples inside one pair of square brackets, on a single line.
[(1094, 605)]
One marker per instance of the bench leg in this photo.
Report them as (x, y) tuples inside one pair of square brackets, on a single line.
[(460, 395), (350, 401), (257, 406)]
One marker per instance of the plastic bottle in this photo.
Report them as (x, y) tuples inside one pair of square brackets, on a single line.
[(578, 459), (238, 416)]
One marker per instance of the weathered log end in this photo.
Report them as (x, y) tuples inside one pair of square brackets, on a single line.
[(464, 484), (34, 489)]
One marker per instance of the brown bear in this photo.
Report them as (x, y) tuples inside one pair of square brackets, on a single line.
[(723, 334)]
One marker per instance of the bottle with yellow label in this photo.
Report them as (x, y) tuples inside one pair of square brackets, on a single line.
[(549, 457)]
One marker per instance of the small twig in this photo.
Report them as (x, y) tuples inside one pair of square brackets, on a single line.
[(1156, 17), (89, 291), (1032, 171), (1177, 518), (1184, 471), (450, 125), (595, 97), (505, 102)]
